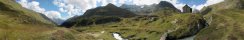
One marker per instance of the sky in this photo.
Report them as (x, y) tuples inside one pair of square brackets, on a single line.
[(64, 9)]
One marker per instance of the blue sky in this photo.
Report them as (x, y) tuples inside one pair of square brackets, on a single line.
[(64, 9), (193, 2), (48, 5)]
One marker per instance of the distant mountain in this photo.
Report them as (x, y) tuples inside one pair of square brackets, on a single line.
[(114, 19), (99, 15), (108, 10), (149, 9), (140, 10), (52, 20), (163, 21), (164, 5)]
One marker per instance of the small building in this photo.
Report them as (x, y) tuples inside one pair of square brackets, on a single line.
[(187, 9)]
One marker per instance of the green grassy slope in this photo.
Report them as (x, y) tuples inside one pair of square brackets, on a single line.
[(18, 23), (225, 22), (143, 27), (223, 25), (12, 9), (137, 27)]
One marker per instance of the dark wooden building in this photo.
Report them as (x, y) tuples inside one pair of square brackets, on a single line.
[(187, 9)]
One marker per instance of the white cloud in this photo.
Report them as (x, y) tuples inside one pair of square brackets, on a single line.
[(208, 3), (176, 3), (34, 5), (72, 7), (78, 7), (145, 2), (53, 14), (211, 2)]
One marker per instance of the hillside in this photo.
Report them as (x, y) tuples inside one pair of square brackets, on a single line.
[(13, 10), (146, 27), (162, 21), (225, 22), (222, 21), (18, 23), (165, 23)]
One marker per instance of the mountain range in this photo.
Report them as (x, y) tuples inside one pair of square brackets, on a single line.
[(149, 9), (162, 21)]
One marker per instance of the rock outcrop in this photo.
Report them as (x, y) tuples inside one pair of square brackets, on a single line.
[(191, 29)]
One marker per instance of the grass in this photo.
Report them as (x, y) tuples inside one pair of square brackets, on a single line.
[(225, 25), (18, 23), (13, 9), (139, 28)]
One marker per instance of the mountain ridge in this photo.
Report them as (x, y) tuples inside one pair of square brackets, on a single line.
[(108, 13), (150, 9), (223, 21), (19, 23)]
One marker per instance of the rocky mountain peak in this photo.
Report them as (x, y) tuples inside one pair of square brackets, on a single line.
[(166, 4), (110, 5)]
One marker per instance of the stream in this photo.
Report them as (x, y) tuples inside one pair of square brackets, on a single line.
[(117, 36), (188, 38)]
